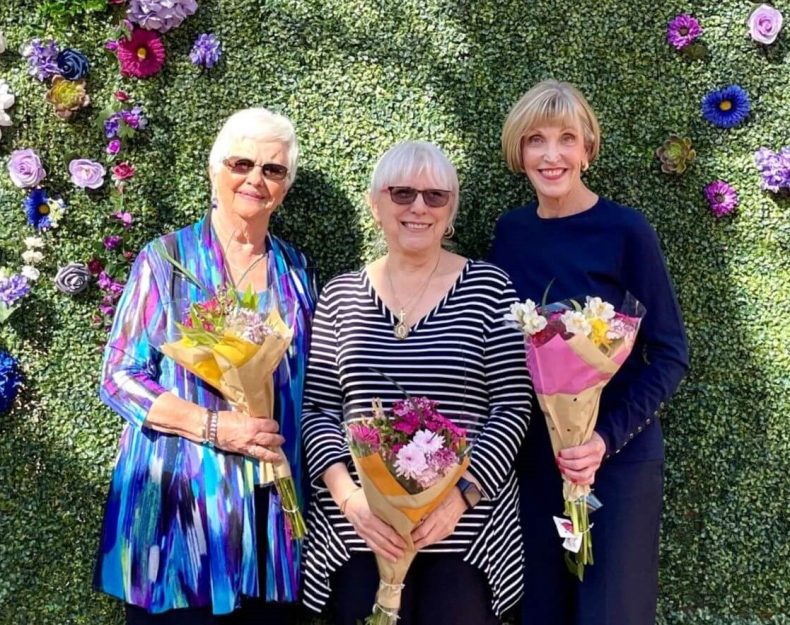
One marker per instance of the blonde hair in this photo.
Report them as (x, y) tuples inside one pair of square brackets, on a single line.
[(549, 102), (258, 124), (411, 159)]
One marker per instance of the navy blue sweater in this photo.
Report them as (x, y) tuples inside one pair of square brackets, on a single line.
[(606, 251)]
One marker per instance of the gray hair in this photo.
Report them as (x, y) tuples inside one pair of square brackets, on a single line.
[(408, 160), (259, 124)]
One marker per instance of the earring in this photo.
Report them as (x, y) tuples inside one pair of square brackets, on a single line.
[(585, 166), (449, 232)]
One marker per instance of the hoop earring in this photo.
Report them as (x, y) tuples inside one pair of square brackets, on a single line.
[(449, 232), (585, 166)]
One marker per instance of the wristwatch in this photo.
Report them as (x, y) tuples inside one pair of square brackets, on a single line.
[(469, 492)]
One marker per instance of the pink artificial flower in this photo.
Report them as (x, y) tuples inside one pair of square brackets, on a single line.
[(126, 219), (121, 96), (113, 147), (363, 434), (142, 55), (122, 171), (410, 462), (95, 266)]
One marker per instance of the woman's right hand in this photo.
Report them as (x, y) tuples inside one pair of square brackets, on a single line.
[(250, 436), (379, 536)]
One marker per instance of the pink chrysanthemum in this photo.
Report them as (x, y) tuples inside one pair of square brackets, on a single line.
[(682, 31), (721, 197), (143, 55)]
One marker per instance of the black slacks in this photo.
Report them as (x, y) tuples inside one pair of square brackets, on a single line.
[(440, 589)]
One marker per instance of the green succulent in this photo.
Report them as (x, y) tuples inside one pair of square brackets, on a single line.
[(676, 154)]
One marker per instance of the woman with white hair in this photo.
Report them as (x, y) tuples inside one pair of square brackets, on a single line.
[(433, 322), (188, 535)]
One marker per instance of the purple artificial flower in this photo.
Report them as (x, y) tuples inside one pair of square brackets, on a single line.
[(364, 434), (104, 280), (41, 58), (774, 168), (722, 198), (112, 241), (160, 15), (113, 147), (111, 126), (87, 174), (108, 310), (206, 51), (25, 168), (126, 219), (111, 45), (765, 22), (135, 118), (682, 31), (13, 288)]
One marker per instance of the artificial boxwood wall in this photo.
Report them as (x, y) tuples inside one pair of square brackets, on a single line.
[(355, 77)]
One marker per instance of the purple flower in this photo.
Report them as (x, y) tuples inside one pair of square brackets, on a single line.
[(160, 15), (112, 241), (104, 280), (113, 147), (765, 22), (111, 45), (41, 58), (13, 288), (108, 310), (721, 197), (206, 51), (111, 126), (134, 118), (774, 168), (87, 174), (682, 31), (126, 219), (25, 168)]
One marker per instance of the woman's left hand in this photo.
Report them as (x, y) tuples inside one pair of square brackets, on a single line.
[(441, 522), (579, 464)]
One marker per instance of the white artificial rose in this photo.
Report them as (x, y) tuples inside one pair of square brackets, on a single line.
[(32, 257), (30, 272), (33, 242), (3, 43)]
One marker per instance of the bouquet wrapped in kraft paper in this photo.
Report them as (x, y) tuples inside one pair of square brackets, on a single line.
[(232, 346), (407, 465), (572, 353)]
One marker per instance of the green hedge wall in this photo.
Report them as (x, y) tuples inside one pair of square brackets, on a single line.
[(355, 77)]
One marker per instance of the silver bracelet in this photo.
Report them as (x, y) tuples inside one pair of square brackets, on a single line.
[(212, 425)]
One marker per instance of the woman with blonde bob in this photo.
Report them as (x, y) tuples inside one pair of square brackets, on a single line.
[(582, 244), (432, 321)]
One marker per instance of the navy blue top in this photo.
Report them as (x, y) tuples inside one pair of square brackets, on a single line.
[(606, 251)]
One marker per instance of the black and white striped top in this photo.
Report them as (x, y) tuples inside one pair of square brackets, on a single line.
[(461, 355)]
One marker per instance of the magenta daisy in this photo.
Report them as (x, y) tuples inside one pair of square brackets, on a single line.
[(722, 198)]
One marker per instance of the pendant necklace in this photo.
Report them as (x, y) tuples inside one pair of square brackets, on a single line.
[(401, 329)]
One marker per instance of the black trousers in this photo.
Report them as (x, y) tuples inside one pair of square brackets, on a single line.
[(621, 587), (440, 589), (253, 610)]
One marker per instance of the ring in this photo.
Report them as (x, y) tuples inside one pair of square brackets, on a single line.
[(251, 450)]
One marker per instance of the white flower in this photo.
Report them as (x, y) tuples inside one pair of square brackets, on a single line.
[(5, 273), (410, 462), (428, 442), (57, 208), (617, 330), (3, 43), (32, 257), (30, 272), (33, 242), (6, 102), (596, 307), (526, 315), (576, 322)]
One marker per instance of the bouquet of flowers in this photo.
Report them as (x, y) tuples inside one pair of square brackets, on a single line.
[(572, 353), (407, 465), (229, 344)]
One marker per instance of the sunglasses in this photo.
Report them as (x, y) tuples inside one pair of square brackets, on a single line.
[(435, 198), (243, 167)]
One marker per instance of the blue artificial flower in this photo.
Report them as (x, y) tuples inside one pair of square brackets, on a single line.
[(727, 107), (72, 64), (10, 381), (37, 209), (206, 51)]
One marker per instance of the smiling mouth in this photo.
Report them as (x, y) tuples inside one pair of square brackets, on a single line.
[(415, 226), (552, 174), (251, 196)]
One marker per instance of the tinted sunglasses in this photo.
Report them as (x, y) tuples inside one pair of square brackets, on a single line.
[(243, 166), (435, 198)]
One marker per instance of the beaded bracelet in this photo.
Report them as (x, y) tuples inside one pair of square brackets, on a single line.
[(210, 427)]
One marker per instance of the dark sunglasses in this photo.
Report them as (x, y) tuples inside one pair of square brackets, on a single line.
[(435, 198), (243, 166)]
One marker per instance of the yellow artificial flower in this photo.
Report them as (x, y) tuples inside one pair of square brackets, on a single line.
[(599, 330)]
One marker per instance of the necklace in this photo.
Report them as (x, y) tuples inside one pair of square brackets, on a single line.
[(401, 329), (246, 269)]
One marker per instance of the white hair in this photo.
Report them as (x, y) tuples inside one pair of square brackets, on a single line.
[(406, 161), (258, 124)]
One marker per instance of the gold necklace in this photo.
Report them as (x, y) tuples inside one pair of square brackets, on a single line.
[(401, 329)]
